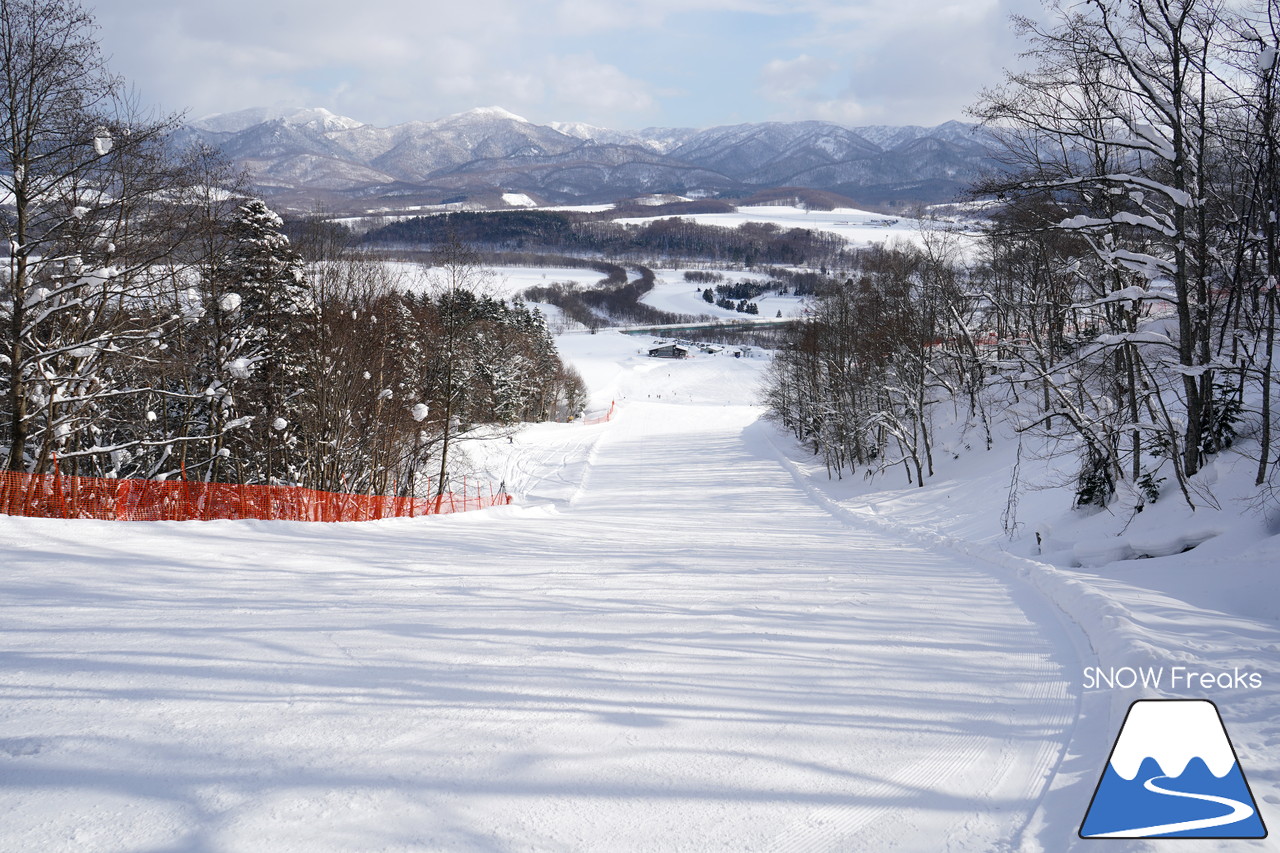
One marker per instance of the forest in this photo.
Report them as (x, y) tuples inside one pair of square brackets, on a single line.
[(157, 322), (671, 238), (1122, 303)]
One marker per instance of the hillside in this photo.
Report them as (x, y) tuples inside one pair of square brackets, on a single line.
[(299, 157)]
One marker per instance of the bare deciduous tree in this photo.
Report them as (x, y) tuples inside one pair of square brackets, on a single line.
[(87, 176)]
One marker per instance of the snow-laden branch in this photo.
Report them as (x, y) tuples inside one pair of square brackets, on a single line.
[(1133, 293), (1161, 224)]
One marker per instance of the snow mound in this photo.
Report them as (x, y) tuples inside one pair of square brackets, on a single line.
[(1164, 543)]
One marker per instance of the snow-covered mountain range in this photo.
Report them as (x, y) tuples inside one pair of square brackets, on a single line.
[(312, 155)]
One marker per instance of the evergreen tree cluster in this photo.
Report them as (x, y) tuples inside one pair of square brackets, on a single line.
[(744, 289)]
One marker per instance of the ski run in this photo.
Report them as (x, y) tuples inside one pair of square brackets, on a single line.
[(680, 637)]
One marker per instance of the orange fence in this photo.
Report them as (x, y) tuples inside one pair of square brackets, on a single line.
[(599, 419), (58, 496)]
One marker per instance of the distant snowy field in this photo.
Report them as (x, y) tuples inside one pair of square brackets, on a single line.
[(502, 282), (672, 292), (860, 227), (681, 637), (508, 282)]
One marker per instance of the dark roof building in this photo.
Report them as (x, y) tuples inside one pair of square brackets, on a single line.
[(669, 351)]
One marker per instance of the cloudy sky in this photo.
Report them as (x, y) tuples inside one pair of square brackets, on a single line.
[(615, 63)]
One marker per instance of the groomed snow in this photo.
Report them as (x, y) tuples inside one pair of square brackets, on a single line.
[(666, 645), (518, 200), (677, 639)]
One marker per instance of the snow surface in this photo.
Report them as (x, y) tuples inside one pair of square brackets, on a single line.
[(860, 227), (671, 292), (504, 282), (682, 637), (1131, 592), (518, 200), (488, 112)]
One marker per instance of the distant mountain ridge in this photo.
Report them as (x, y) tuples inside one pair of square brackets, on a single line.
[(300, 157)]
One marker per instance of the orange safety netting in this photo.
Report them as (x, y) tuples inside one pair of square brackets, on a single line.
[(599, 419), (58, 496)]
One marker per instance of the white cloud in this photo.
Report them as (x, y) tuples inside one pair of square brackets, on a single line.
[(582, 17), (605, 61), (383, 60), (599, 88), (523, 87), (905, 61), (786, 79), (587, 16), (846, 111)]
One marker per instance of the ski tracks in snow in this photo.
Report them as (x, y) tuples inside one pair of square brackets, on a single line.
[(1025, 773), (685, 653), (976, 782)]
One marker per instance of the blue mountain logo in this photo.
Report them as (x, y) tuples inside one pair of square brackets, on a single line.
[(1173, 774)]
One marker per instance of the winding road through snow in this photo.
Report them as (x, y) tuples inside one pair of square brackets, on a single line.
[(667, 646)]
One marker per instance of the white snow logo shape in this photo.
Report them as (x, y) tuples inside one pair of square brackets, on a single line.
[(1173, 774)]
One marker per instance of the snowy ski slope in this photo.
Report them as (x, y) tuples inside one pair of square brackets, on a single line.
[(667, 645)]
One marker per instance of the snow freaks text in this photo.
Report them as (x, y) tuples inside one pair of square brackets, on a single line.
[(1171, 678)]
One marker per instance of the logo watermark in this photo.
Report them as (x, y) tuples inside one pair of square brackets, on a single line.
[(1173, 773), (1169, 678)]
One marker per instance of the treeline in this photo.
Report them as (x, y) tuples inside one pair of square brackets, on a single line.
[(507, 231), (155, 321), (799, 282), (859, 379), (749, 244), (1124, 303)]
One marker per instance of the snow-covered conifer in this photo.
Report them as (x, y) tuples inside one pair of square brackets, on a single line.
[(267, 311)]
